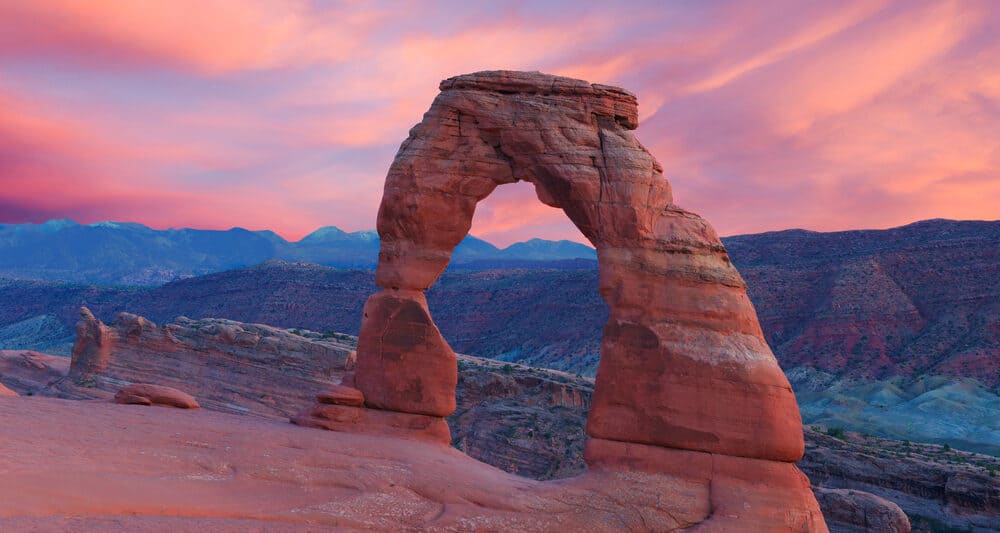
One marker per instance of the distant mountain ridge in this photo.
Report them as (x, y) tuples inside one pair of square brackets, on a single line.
[(133, 254)]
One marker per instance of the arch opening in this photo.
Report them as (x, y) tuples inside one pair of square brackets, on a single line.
[(512, 213)]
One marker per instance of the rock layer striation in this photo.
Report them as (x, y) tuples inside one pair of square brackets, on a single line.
[(229, 366)]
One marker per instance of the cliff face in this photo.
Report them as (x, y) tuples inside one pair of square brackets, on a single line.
[(524, 420), (933, 484)]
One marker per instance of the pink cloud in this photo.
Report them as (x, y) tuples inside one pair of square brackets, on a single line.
[(285, 115), (212, 36)]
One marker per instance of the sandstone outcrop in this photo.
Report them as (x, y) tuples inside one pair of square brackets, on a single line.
[(93, 344), (685, 372), (938, 488), (341, 395), (415, 370), (4, 391), (229, 366), (148, 394)]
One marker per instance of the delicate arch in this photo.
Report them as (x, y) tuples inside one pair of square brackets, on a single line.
[(683, 360)]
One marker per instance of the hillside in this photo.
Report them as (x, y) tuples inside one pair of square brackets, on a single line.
[(523, 420), (919, 299)]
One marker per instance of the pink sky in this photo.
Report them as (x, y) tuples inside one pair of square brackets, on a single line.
[(285, 114)]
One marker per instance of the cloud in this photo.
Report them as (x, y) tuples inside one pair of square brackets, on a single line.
[(286, 114), (208, 36)]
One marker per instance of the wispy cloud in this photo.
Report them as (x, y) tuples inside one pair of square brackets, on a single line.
[(286, 114)]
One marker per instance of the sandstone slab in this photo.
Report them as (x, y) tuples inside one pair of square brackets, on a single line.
[(229, 366), (210, 471)]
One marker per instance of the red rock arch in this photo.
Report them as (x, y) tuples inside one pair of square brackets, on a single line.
[(683, 362)]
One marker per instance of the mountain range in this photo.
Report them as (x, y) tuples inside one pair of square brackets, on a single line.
[(123, 253)]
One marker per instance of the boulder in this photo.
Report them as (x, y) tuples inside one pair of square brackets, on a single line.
[(855, 511), (146, 394)]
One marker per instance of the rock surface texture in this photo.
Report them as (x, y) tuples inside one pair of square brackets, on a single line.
[(686, 383)]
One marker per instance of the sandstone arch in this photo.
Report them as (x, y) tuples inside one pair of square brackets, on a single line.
[(683, 365)]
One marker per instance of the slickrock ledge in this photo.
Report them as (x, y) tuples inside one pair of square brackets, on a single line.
[(97, 466)]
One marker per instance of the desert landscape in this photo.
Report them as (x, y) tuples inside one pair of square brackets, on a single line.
[(507, 322)]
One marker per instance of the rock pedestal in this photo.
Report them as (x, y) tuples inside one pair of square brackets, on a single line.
[(92, 350)]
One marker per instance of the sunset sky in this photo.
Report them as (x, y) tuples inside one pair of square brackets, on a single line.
[(285, 114)]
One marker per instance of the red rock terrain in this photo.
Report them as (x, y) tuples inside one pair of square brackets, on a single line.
[(530, 421), (137, 467), (231, 366), (89, 466)]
